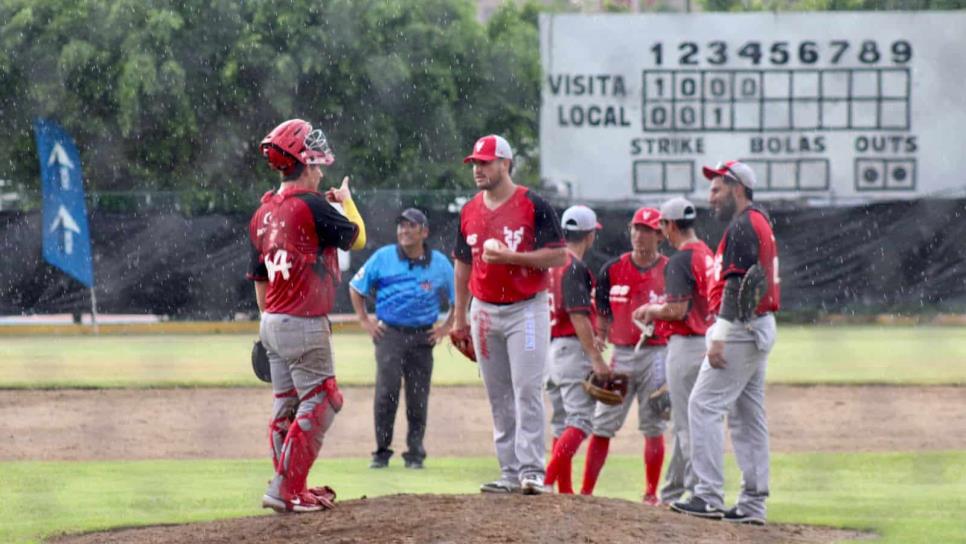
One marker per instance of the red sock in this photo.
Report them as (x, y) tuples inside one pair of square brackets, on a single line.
[(560, 466), (653, 461), (596, 455)]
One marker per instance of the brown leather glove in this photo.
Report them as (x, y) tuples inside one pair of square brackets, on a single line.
[(463, 341), (609, 389)]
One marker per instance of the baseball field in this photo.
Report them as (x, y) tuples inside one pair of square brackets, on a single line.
[(867, 425)]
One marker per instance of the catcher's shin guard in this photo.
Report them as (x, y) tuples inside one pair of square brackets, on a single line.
[(304, 440), (283, 414)]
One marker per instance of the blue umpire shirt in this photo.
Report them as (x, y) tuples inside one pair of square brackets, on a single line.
[(408, 291)]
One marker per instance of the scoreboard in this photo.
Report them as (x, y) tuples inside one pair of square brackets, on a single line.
[(834, 107)]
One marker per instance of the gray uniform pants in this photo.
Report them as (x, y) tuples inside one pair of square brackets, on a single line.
[(684, 357), (300, 353), (738, 391), (402, 355), (511, 343), (647, 374), (567, 367)]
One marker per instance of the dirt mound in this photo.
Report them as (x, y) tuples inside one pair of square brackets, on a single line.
[(482, 519)]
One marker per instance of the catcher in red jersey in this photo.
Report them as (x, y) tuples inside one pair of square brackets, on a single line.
[(686, 282), (294, 237), (574, 351), (507, 240), (626, 283), (744, 296)]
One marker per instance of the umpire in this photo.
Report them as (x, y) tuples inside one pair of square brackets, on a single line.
[(409, 280)]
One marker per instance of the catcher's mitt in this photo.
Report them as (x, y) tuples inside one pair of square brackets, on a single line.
[(463, 340), (610, 390), (260, 365), (660, 403), (751, 291)]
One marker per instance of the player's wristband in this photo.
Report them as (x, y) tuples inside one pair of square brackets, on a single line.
[(721, 329)]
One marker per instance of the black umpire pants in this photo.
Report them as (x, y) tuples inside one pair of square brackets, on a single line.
[(403, 354)]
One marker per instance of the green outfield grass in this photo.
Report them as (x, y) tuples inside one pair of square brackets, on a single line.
[(903, 497), (807, 355)]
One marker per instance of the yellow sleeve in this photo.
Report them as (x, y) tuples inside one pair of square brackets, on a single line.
[(352, 214)]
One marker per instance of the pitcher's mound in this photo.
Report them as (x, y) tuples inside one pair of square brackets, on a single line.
[(482, 519)]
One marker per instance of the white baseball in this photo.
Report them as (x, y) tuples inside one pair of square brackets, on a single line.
[(492, 244)]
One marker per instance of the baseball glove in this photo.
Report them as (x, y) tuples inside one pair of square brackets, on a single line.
[(751, 291), (263, 370), (610, 390), (660, 403), (463, 340)]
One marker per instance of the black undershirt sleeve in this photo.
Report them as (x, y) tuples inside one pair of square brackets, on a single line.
[(461, 250), (546, 226), (331, 227), (603, 291), (729, 299), (576, 288)]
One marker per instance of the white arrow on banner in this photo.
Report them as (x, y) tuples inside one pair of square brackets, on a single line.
[(60, 157), (66, 222)]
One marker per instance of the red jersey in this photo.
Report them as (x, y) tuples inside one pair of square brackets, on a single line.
[(624, 287), (294, 236), (747, 241), (688, 277), (525, 222), (571, 291)]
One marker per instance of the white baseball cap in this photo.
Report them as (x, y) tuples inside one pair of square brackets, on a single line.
[(579, 218), (739, 171), (678, 208), (489, 148)]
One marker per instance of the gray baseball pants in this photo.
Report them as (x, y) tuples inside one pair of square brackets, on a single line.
[(738, 391), (511, 343), (684, 357), (647, 374), (567, 367)]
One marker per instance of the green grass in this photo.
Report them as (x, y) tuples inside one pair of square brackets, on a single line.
[(904, 497), (807, 355)]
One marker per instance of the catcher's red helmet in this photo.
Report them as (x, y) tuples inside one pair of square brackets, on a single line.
[(295, 141)]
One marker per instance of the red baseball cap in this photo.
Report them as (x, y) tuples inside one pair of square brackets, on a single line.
[(649, 217), (732, 169), (489, 148)]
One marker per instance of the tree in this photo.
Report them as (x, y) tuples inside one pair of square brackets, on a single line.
[(175, 95)]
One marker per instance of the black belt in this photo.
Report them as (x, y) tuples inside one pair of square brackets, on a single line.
[(411, 330), (531, 297)]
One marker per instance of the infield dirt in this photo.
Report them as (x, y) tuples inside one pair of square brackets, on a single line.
[(177, 423)]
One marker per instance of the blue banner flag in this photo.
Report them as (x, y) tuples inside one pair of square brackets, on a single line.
[(67, 240)]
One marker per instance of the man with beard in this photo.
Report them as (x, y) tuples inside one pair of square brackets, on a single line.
[(507, 241), (731, 381)]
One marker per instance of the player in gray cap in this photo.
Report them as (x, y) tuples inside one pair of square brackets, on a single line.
[(573, 350), (686, 280), (744, 296)]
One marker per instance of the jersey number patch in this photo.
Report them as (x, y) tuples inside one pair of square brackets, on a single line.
[(278, 263)]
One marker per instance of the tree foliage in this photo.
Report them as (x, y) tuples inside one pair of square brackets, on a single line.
[(175, 95)]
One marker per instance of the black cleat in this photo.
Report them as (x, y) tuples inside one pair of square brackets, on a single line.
[(737, 516), (698, 508)]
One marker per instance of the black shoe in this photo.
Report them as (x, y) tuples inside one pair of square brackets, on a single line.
[(736, 516), (697, 507), (379, 463), (414, 464)]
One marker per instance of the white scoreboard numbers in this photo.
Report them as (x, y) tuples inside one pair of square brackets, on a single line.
[(827, 106)]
